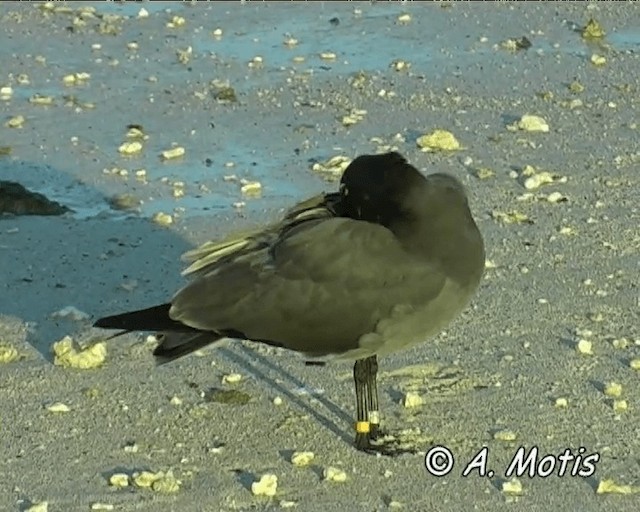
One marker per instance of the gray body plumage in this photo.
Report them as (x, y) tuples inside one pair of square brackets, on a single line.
[(383, 264)]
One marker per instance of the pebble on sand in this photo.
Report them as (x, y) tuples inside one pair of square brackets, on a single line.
[(333, 168), (58, 407), (71, 313), (66, 354), (505, 435), (512, 487), (130, 148), (266, 486), (561, 403), (438, 140), (160, 481), (15, 122), (613, 389), (332, 474), (231, 378), (301, 459), (251, 188), (620, 406), (119, 480), (584, 347), (609, 486), (412, 399), (530, 123), (170, 154), (42, 506), (8, 354), (164, 219)]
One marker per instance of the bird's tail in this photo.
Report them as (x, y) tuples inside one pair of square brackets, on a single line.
[(155, 318), (177, 344), (176, 339)]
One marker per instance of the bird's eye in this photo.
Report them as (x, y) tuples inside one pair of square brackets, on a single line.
[(343, 189)]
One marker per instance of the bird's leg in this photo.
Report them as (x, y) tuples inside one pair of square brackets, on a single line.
[(369, 437), (372, 396), (361, 377)]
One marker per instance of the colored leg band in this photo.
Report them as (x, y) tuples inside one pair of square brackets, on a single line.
[(363, 427)]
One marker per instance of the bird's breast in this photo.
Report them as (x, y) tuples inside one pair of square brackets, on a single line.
[(406, 325)]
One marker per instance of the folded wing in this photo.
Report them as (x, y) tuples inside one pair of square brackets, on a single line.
[(350, 274)]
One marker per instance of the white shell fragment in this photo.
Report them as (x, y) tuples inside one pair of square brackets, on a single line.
[(584, 347), (505, 435), (530, 123), (484, 173), (39, 99), (355, 116), (161, 482), (251, 188), (556, 197), (511, 217), (6, 92), (620, 406), (66, 354), (8, 354), (412, 399), (534, 178), (301, 459), (130, 148), (537, 180), (266, 486), (75, 78), (256, 62), (438, 140), (332, 474), (119, 480), (561, 403), (609, 486), (170, 154), (333, 168), (71, 313), (102, 506), (42, 506), (164, 219), (135, 132), (613, 389), (15, 122), (231, 378), (58, 407), (512, 487), (176, 21)]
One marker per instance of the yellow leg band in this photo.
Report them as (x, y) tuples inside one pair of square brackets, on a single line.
[(363, 427)]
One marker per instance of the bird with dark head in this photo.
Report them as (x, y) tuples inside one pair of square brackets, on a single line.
[(384, 264)]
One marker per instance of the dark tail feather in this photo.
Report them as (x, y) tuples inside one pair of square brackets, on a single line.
[(174, 344), (155, 318)]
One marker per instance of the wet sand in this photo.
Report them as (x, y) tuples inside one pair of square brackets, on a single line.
[(562, 268)]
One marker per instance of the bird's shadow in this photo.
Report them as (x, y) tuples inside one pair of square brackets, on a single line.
[(92, 258), (254, 364), (100, 264)]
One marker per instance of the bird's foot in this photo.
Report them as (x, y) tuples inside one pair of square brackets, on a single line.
[(389, 445)]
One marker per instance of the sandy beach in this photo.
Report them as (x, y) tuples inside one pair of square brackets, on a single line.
[(543, 101)]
